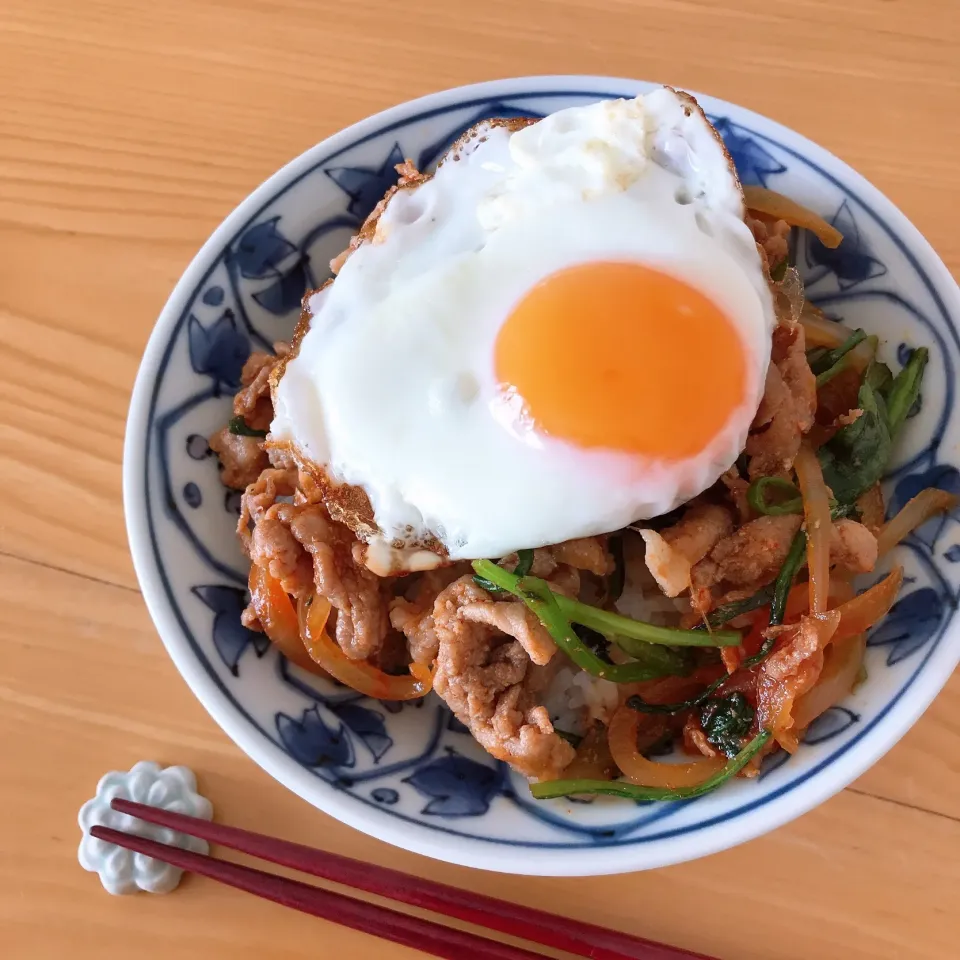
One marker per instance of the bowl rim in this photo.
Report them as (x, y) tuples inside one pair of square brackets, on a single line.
[(830, 778)]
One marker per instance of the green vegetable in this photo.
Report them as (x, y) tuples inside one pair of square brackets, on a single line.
[(574, 739), (879, 377), (612, 625), (730, 611), (677, 658), (825, 359), (636, 702), (831, 372), (778, 606), (616, 579), (238, 425), (624, 629), (840, 510), (815, 356), (905, 389), (550, 789), (855, 458), (597, 642), (843, 362), (726, 721), (796, 557), (758, 496), (539, 598), (524, 562), (779, 271), (758, 499), (486, 584)]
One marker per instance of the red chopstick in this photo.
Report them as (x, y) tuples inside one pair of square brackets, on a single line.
[(558, 932), (387, 924)]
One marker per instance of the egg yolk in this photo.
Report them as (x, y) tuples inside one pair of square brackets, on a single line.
[(622, 356)]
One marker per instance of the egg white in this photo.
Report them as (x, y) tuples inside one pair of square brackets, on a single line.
[(393, 389)]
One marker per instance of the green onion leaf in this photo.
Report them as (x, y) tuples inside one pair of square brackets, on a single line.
[(624, 629), (736, 608), (597, 642), (779, 271), (831, 372), (829, 358), (759, 497), (815, 357), (542, 601), (486, 584), (730, 611), (551, 789), (778, 605), (538, 596), (612, 625), (843, 362), (238, 426), (796, 557), (905, 389), (879, 377), (524, 562)]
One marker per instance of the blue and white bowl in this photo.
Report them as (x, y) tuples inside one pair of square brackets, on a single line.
[(410, 774)]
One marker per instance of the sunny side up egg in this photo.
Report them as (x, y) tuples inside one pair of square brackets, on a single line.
[(565, 330)]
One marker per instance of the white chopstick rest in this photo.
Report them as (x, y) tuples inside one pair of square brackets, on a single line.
[(123, 871)]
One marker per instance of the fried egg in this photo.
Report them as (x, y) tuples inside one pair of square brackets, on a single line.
[(565, 330)]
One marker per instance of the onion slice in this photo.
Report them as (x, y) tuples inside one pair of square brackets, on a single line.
[(871, 606), (798, 600), (777, 695), (776, 205), (276, 614), (593, 760), (842, 661), (819, 330), (816, 510), (361, 676), (926, 504), (622, 738)]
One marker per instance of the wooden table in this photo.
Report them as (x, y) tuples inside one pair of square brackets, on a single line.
[(127, 131)]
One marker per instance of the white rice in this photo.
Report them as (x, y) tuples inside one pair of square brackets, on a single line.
[(642, 598), (575, 699)]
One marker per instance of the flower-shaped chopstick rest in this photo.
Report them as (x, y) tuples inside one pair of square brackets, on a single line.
[(122, 871)]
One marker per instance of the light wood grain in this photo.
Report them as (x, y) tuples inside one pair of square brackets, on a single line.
[(128, 130)]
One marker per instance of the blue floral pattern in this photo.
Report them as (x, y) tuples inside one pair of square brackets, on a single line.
[(230, 637), (413, 761), (850, 263), (219, 350), (315, 743), (755, 164), (456, 786)]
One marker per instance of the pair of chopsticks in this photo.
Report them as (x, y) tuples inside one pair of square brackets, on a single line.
[(538, 926)]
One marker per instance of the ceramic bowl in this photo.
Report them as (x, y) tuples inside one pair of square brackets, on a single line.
[(410, 774)]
